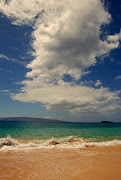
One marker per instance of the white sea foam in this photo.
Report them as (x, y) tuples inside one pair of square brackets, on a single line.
[(8, 142), (67, 142)]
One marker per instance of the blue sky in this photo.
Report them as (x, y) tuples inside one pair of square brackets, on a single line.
[(60, 60)]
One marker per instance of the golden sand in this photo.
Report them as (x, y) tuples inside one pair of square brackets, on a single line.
[(93, 163)]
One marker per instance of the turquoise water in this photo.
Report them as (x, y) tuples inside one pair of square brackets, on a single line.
[(30, 131)]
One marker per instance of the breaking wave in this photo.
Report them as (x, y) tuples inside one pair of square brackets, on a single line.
[(67, 142)]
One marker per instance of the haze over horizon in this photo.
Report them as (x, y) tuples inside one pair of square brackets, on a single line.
[(61, 59)]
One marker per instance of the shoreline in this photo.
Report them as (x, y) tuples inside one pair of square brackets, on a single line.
[(90, 163), (7, 144)]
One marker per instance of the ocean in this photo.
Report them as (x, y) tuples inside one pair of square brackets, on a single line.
[(19, 135)]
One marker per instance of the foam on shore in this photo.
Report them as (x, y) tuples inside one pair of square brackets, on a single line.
[(67, 142)]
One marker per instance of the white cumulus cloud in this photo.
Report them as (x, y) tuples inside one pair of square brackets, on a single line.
[(65, 40), (69, 96)]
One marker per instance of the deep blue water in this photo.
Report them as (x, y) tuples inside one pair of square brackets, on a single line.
[(98, 131)]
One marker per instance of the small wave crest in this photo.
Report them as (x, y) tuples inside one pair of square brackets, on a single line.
[(70, 139), (66, 142), (7, 142)]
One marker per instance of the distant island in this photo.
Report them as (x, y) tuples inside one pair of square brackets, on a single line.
[(31, 119), (107, 122), (41, 120)]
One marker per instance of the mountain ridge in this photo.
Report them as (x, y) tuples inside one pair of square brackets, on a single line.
[(31, 119)]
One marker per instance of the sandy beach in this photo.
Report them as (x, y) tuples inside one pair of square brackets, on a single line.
[(93, 163)]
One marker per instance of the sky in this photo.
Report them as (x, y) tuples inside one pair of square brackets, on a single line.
[(61, 59)]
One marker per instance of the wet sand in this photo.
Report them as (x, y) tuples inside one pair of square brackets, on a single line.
[(93, 163)]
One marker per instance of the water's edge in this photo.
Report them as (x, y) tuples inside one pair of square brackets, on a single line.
[(67, 142)]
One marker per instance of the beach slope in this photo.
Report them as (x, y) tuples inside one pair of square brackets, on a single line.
[(93, 163)]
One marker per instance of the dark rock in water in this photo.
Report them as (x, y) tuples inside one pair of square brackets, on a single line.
[(106, 122), (7, 142)]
